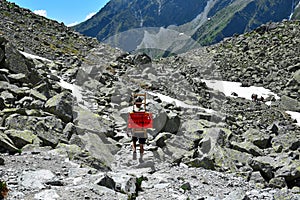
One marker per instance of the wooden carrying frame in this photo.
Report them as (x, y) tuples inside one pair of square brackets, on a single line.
[(139, 121)]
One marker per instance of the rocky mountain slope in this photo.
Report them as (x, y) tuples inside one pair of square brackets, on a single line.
[(142, 23), (63, 117)]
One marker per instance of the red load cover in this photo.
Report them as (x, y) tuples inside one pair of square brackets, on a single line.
[(140, 120)]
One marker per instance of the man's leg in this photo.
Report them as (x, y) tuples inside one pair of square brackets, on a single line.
[(141, 148), (142, 141), (134, 139)]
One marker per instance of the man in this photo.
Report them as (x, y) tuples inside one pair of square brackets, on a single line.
[(139, 134)]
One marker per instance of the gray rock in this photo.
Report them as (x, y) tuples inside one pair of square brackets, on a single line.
[(16, 62), (50, 194), (6, 144), (49, 130), (37, 95), (126, 183), (161, 138), (263, 164), (277, 182), (21, 138), (61, 105), (172, 124), (258, 138), (296, 75), (247, 147), (89, 121), (212, 137), (8, 97), (256, 177), (69, 130), (290, 104), (237, 195), (203, 162), (19, 77), (289, 170), (36, 179), (108, 182), (100, 150), (286, 142)]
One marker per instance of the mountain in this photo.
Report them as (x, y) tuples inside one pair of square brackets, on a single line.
[(65, 100), (144, 24)]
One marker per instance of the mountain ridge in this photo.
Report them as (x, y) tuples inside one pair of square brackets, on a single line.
[(220, 19)]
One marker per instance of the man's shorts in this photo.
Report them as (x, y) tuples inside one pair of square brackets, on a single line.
[(141, 140)]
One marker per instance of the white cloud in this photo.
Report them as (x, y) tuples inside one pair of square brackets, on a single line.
[(86, 18), (73, 24), (90, 15), (41, 12)]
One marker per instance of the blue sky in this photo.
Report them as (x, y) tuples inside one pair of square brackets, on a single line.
[(69, 12)]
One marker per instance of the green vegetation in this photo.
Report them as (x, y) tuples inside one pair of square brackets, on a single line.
[(3, 189)]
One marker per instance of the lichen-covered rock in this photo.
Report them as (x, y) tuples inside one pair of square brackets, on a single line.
[(264, 165), (247, 147), (21, 137), (258, 138), (6, 144)]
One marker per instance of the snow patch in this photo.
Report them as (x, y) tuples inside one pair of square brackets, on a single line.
[(76, 90), (77, 93), (294, 115), (228, 87), (28, 55), (179, 103)]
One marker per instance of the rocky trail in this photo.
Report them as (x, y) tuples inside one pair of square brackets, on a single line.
[(64, 107)]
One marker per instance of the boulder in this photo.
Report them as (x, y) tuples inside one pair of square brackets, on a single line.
[(16, 62), (289, 104), (8, 97), (37, 95), (286, 142), (100, 150), (161, 138), (21, 122), (172, 124), (126, 183), (6, 144), (89, 121), (21, 138), (36, 179), (263, 164), (296, 75), (247, 147), (258, 138), (203, 162), (69, 130), (61, 105), (290, 171), (21, 78), (277, 182), (50, 130), (108, 182), (142, 59)]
